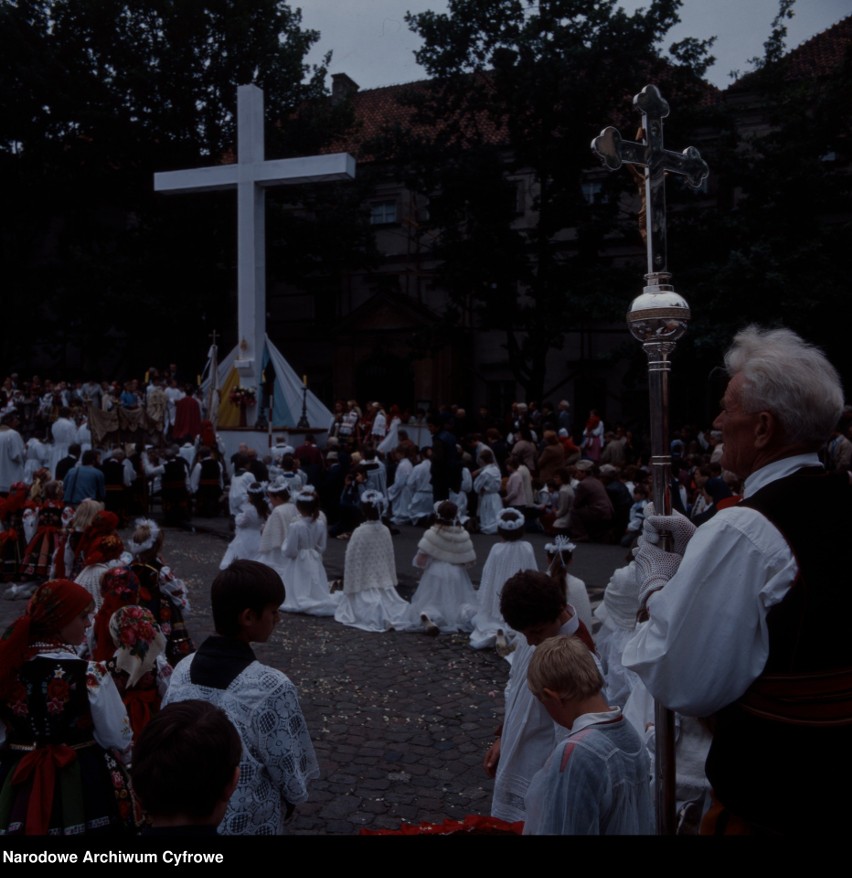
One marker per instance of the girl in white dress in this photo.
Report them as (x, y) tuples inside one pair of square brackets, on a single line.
[(560, 553), (399, 493), (391, 440), (445, 599), (305, 580), (506, 558), (370, 601), (420, 485), (275, 527), (249, 521), (487, 486)]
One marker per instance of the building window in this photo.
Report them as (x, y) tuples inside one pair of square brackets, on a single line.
[(593, 192), (383, 213)]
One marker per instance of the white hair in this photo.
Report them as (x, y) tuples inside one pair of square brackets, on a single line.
[(792, 379)]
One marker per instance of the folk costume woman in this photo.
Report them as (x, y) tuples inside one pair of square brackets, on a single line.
[(119, 588), (12, 540), (91, 522), (38, 561), (63, 728), (160, 590), (445, 599), (102, 554), (138, 666)]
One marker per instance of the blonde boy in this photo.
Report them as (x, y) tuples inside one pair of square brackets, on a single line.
[(597, 780)]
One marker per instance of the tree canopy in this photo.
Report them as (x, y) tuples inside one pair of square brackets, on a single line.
[(96, 96), (519, 87)]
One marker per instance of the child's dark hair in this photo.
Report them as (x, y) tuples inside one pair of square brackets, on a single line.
[(446, 513), (184, 760), (559, 556), (257, 499), (308, 505), (510, 536), (243, 585), (531, 598), (371, 507)]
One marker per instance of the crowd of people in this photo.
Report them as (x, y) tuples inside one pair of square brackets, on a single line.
[(574, 751)]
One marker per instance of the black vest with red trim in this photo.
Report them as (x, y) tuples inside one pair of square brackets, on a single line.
[(781, 756)]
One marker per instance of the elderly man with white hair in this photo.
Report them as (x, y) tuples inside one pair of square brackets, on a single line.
[(749, 613)]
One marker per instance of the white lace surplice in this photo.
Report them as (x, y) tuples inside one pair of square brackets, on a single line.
[(278, 757)]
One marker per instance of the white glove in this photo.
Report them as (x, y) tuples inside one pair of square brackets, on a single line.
[(678, 526), (655, 565), (654, 568)]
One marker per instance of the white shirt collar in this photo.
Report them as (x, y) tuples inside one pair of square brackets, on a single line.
[(778, 469), (591, 719), (572, 626)]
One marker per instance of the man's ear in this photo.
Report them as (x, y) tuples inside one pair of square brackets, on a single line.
[(247, 617), (766, 430)]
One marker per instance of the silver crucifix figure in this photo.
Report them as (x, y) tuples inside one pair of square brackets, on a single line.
[(657, 318)]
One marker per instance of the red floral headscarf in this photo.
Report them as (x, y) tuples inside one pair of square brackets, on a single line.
[(119, 588), (53, 605), (104, 523)]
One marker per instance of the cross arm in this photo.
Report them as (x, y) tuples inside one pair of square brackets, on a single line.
[(614, 151), (305, 169), (210, 179), (688, 164)]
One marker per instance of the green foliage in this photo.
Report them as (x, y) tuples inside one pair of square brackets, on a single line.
[(773, 48), (775, 249)]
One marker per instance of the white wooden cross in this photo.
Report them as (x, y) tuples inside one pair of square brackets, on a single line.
[(251, 176)]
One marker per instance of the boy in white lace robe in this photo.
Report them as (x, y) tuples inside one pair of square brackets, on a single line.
[(278, 756)]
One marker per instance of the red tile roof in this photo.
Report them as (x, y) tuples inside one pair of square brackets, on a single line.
[(382, 110), (819, 56)]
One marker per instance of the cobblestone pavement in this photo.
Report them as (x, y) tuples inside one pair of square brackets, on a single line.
[(400, 721)]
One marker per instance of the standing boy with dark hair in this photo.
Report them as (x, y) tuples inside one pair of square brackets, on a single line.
[(278, 756), (533, 604), (597, 780)]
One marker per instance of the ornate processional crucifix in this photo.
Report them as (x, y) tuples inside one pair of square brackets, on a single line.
[(251, 176), (651, 155), (657, 318)]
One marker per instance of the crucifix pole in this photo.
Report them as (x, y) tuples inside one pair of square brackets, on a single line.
[(657, 318)]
